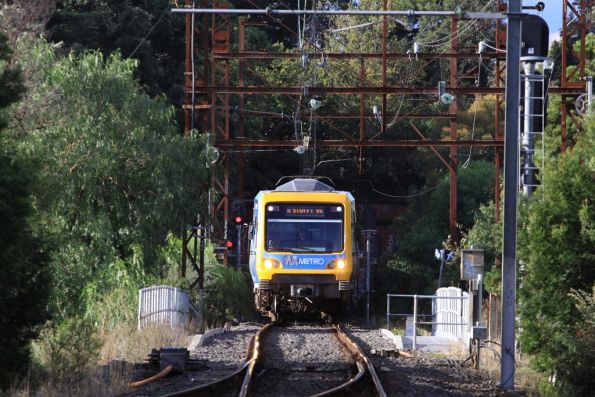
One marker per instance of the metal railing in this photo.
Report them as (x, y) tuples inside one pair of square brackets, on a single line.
[(415, 313), (163, 304)]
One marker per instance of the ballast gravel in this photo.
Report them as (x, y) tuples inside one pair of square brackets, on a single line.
[(303, 348), (301, 360), (423, 374), (305, 361), (228, 349), (220, 355)]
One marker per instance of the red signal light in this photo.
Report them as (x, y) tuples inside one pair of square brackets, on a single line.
[(238, 220), (229, 244)]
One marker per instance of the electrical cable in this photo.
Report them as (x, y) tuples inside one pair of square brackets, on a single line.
[(447, 38), (492, 47), (363, 25), (149, 32), (466, 164), (438, 5), (460, 32), (401, 196)]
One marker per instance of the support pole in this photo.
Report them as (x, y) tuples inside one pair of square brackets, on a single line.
[(441, 269), (201, 277), (388, 312), (239, 248), (589, 93), (368, 276), (511, 173), (414, 322)]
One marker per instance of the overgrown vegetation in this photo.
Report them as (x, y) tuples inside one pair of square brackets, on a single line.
[(25, 281), (96, 182), (557, 253)]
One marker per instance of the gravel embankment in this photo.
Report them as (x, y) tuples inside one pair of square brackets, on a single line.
[(304, 360), (424, 374), (222, 354)]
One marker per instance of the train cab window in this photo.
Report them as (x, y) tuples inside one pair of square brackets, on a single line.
[(302, 228)]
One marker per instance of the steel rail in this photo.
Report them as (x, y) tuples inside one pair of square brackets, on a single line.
[(361, 357), (207, 389), (254, 360), (361, 371)]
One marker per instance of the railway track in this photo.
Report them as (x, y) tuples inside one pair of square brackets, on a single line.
[(298, 360)]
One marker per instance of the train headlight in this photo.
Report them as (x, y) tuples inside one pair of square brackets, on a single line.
[(336, 264), (271, 263)]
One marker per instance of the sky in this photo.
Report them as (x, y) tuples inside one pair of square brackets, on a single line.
[(552, 14)]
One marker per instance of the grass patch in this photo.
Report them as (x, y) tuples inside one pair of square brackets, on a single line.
[(526, 379)]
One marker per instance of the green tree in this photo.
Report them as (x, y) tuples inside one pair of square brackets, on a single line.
[(25, 280), (424, 227), (140, 29), (116, 174), (558, 254)]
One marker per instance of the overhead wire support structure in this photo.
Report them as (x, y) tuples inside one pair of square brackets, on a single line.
[(215, 104), (393, 13)]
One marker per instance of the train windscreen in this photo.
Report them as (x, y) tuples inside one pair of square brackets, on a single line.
[(302, 228)]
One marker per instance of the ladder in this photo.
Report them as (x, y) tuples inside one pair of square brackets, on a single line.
[(532, 143)]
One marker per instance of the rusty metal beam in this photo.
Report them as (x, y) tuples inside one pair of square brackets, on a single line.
[(261, 143), (357, 55), (574, 24), (348, 90), (387, 13), (452, 158), (432, 148), (340, 116)]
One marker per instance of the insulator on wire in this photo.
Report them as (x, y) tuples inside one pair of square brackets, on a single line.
[(482, 47), (416, 47)]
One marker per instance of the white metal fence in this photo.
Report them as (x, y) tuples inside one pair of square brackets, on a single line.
[(450, 313), (163, 304)]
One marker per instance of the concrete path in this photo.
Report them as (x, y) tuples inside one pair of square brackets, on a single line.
[(433, 344)]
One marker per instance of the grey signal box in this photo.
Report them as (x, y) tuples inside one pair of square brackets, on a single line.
[(471, 263)]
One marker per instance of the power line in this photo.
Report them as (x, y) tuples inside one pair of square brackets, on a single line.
[(148, 33)]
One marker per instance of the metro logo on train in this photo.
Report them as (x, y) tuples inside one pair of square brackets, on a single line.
[(292, 260)]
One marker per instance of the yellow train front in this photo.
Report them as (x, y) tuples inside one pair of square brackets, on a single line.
[(302, 248)]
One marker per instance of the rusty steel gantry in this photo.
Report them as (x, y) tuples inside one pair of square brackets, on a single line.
[(208, 94)]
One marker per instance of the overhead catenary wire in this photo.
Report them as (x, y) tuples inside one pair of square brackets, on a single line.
[(443, 40), (402, 196), (491, 47), (395, 118), (149, 32)]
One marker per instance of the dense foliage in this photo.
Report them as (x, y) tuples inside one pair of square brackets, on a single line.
[(557, 252), (144, 30), (25, 281), (115, 172)]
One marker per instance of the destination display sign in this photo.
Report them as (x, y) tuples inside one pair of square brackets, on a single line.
[(301, 210)]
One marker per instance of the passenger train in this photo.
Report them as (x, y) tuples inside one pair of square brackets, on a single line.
[(303, 251)]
